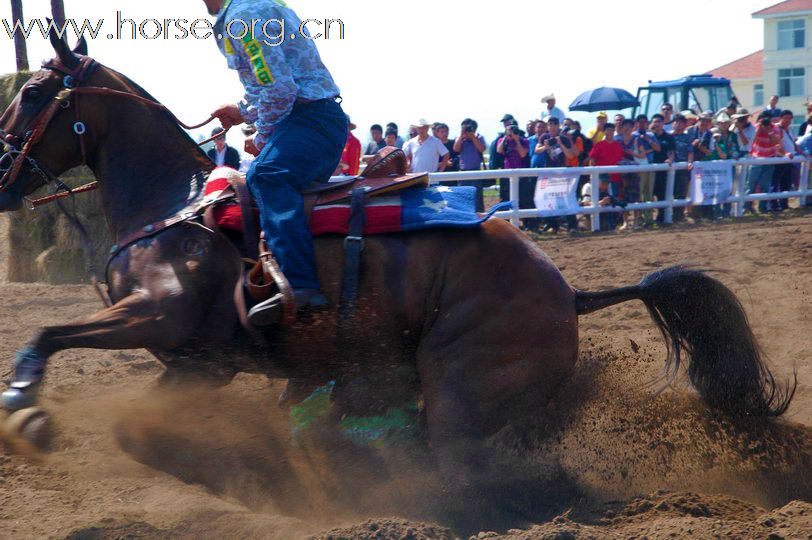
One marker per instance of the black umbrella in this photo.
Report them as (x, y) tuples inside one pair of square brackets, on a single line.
[(604, 99)]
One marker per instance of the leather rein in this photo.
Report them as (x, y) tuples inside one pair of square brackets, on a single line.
[(13, 159)]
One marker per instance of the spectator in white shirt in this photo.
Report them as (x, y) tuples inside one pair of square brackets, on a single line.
[(552, 110), (222, 154), (786, 175), (744, 130), (423, 152)]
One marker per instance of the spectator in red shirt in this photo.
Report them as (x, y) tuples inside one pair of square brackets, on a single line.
[(350, 164), (606, 153)]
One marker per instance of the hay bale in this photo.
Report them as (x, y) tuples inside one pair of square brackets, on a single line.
[(42, 244), (60, 265), (32, 234), (9, 86)]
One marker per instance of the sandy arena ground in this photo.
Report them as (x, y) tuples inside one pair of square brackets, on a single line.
[(616, 455)]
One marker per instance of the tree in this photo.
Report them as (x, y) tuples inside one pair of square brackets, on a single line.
[(58, 12), (20, 49)]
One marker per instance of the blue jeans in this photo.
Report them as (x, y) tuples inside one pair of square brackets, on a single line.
[(761, 176), (304, 148)]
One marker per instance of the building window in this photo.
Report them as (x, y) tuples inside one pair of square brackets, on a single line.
[(791, 82), (758, 95), (791, 34)]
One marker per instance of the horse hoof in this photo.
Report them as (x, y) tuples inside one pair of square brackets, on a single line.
[(15, 399), (28, 431)]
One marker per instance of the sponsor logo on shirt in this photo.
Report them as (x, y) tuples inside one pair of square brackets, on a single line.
[(253, 49)]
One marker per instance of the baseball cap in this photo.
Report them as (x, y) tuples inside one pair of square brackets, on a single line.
[(507, 118), (602, 114)]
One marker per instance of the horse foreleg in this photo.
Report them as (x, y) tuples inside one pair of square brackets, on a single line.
[(137, 321)]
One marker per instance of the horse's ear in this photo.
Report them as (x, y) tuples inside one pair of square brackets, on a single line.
[(81, 46), (60, 45)]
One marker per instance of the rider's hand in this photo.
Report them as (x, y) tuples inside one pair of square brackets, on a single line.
[(251, 147), (229, 115)]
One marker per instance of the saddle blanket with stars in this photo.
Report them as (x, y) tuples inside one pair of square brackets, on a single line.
[(407, 210)]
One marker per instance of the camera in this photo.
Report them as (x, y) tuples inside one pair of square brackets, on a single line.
[(468, 128), (765, 122)]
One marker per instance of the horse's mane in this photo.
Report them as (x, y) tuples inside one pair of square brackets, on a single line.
[(138, 89)]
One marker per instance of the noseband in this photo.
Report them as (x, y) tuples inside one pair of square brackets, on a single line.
[(14, 157)]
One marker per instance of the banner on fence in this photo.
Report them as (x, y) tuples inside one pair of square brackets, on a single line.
[(555, 195), (711, 182)]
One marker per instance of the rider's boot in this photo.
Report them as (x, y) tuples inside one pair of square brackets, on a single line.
[(29, 369), (269, 312)]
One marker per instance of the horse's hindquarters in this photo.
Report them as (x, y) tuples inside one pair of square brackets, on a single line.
[(504, 334)]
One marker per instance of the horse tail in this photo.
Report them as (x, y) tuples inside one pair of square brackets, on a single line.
[(702, 319)]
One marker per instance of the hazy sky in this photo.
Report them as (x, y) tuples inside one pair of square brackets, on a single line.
[(438, 59)]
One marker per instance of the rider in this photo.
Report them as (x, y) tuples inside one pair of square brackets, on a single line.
[(301, 130)]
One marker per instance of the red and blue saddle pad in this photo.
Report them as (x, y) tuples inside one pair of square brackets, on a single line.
[(410, 209)]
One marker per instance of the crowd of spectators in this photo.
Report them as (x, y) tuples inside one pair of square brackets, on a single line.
[(556, 141)]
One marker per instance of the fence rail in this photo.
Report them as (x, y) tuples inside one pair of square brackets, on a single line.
[(738, 197)]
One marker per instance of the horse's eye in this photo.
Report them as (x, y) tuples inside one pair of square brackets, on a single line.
[(31, 93)]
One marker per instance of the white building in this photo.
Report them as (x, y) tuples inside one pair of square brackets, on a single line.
[(783, 67)]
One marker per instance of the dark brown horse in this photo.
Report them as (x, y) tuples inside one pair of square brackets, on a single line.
[(482, 321)]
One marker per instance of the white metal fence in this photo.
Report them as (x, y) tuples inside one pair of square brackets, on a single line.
[(738, 197)]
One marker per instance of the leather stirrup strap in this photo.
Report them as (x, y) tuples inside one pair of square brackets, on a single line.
[(250, 227), (353, 246), (242, 309), (271, 267)]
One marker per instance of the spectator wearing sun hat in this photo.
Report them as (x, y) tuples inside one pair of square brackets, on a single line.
[(690, 118), (423, 152), (744, 130), (552, 110)]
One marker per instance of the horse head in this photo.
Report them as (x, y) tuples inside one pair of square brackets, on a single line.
[(38, 131)]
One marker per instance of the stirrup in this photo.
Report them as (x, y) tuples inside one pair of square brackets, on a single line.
[(268, 312)]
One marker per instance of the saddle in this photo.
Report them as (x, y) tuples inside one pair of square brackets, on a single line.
[(233, 202), (385, 174)]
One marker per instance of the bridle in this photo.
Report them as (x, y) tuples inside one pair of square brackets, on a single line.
[(13, 158), (16, 150)]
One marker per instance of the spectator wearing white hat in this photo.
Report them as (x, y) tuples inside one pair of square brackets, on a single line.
[(423, 152), (552, 110), (744, 129)]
